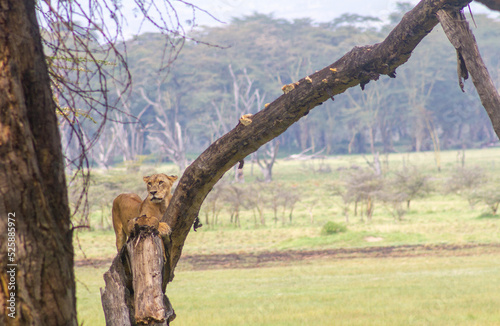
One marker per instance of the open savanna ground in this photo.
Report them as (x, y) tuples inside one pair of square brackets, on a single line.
[(427, 290), (427, 283)]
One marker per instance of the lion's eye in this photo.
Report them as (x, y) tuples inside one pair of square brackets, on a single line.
[(150, 184), (160, 183)]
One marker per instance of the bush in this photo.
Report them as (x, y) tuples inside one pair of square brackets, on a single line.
[(488, 215), (332, 228)]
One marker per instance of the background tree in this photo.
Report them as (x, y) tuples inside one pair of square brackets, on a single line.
[(266, 158), (365, 186), (168, 136), (411, 182), (212, 205), (338, 189), (452, 121), (466, 182), (257, 201), (489, 196)]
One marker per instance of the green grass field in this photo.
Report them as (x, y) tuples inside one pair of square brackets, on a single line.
[(438, 290), (386, 291)]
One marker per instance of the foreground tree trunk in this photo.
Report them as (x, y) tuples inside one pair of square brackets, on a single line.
[(34, 214)]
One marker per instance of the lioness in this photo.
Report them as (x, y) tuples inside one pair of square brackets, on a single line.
[(128, 208)]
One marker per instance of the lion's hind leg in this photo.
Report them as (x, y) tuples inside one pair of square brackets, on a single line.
[(125, 207), (121, 236)]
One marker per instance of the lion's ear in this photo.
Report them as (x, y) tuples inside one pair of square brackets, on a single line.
[(172, 178), (146, 178)]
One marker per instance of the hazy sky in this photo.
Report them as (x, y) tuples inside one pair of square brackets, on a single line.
[(317, 10)]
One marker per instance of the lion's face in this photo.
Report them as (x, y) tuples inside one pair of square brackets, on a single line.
[(159, 186)]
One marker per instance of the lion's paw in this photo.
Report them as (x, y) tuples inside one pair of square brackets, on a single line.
[(144, 220), (164, 229)]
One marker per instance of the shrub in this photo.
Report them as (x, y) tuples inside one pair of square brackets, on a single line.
[(332, 228), (488, 215)]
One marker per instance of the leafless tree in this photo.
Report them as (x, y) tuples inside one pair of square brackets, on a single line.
[(466, 182), (338, 189), (370, 102), (131, 131), (412, 182), (246, 100), (235, 196), (291, 197), (213, 204), (266, 158), (257, 201), (280, 197), (489, 195), (168, 135), (364, 186)]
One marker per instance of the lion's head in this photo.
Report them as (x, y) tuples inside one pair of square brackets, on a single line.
[(159, 186)]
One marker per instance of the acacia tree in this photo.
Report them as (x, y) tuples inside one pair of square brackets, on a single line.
[(32, 181)]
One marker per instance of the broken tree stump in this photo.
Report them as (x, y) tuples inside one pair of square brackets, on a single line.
[(146, 261), (116, 298), (133, 293)]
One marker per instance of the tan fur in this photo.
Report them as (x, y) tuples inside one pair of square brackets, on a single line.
[(128, 209)]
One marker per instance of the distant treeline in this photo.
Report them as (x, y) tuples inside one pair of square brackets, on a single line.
[(248, 60)]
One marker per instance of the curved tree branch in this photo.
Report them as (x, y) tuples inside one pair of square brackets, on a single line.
[(358, 67)]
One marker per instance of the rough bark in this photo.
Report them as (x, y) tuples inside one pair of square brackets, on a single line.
[(146, 262), (115, 298), (133, 293), (357, 67), (32, 181), (469, 59)]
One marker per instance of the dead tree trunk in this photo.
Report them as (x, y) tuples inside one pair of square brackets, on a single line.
[(116, 298), (146, 261), (134, 291), (469, 59)]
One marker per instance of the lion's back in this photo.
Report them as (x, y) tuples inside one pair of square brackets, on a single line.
[(126, 206)]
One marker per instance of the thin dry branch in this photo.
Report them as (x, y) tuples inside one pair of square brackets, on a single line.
[(86, 56)]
